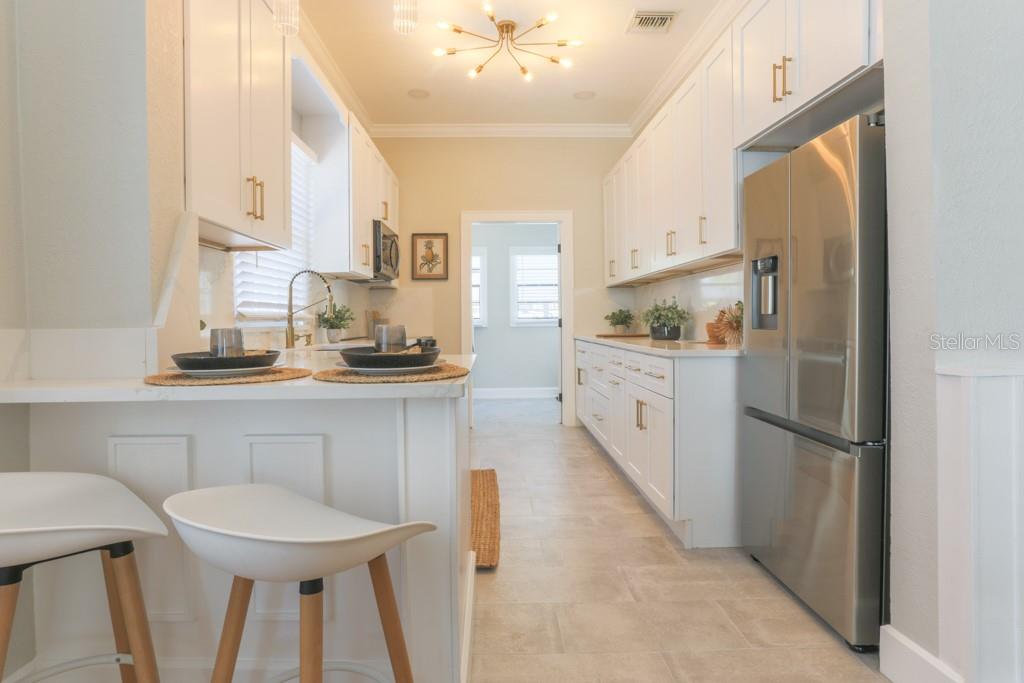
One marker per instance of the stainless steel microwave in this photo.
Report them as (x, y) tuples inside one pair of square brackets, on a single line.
[(385, 252)]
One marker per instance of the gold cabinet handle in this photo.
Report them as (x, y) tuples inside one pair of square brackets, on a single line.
[(637, 413), (643, 418), (614, 382), (252, 212), (611, 268), (263, 197), (701, 225), (653, 374), (775, 82), (385, 210), (579, 376), (597, 417), (785, 70), (366, 254)]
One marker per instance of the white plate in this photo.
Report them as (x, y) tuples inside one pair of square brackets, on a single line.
[(389, 371), (232, 372)]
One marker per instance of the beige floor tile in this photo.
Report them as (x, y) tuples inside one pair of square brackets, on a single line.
[(589, 505), (528, 552), (630, 524), (641, 667), (695, 626), (514, 584), (613, 552), (776, 622), (548, 526), (732, 562), (684, 582), (515, 504), (516, 629), (788, 665)]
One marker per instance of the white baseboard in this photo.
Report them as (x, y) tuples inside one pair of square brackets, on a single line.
[(467, 616), (904, 661), (490, 393)]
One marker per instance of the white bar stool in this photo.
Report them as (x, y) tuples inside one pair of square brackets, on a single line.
[(258, 532), (47, 516)]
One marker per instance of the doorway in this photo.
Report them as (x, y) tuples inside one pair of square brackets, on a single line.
[(516, 305)]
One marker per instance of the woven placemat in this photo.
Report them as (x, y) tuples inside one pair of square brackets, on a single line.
[(347, 376), (180, 379), (485, 534)]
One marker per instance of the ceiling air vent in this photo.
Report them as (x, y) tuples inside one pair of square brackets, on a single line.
[(647, 21)]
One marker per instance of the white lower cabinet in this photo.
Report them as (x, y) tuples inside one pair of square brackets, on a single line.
[(670, 424)]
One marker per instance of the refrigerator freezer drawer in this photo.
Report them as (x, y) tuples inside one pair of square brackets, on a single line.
[(817, 526)]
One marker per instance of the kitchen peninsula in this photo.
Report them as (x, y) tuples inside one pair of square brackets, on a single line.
[(389, 452)]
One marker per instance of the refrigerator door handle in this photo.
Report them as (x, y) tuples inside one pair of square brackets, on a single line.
[(809, 433)]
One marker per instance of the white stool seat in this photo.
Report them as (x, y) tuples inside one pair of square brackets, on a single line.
[(45, 515), (268, 533)]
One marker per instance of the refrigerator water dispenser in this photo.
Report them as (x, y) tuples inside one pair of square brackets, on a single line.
[(764, 293)]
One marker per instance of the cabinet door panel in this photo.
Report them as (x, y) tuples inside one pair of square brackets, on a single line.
[(598, 412), (618, 416), (828, 40), (645, 200), (622, 203), (759, 42), (362, 198), (686, 242), (637, 439), (665, 183), (268, 111), (717, 153), (658, 424), (215, 184)]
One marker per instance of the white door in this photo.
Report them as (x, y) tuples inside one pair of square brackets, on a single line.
[(618, 416), (609, 191), (687, 194), (645, 201), (637, 438), (665, 187), (656, 421), (718, 168), (269, 135), (759, 45), (827, 40), (362, 188), (216, 189)]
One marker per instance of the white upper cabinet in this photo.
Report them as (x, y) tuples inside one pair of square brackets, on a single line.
[(365, 202), (238, 105), (686, 189), (827, 40), (610, 229), (788, 52), (759, 45), (720, 229)]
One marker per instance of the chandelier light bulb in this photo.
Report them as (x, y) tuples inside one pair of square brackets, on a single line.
[(444, 26), (439, 52), (489, 10), (527, 76), (575, 43), (474, 72), (552, 17), (567, 63)]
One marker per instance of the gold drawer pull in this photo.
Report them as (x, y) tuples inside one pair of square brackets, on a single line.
[(654, 375), (785, 71), (263, 196), (252, 212), (597, 417), (775, 83)]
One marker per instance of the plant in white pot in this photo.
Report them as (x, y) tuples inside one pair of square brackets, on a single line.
[(335, 321), (665, 319), (621, 320)]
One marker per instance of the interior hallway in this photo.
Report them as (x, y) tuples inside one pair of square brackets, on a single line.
[(593, 587)]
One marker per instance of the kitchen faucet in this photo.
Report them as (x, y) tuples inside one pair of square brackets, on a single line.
[(289, 334)]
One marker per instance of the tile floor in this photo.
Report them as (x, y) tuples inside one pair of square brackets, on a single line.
[(592, 586)]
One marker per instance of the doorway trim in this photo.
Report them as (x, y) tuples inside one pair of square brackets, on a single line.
[(564, 220)]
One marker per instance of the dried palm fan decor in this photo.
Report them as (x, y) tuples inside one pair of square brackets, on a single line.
[(728, 326)]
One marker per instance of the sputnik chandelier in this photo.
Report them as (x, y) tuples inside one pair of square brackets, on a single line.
[(509, 41)]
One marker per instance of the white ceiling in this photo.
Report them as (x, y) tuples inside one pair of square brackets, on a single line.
[(383, 66)]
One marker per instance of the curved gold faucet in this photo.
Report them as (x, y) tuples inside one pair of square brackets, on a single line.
[(289, 334)]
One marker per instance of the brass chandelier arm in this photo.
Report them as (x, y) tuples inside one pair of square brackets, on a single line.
[(508, 46), (493, 55), (477, 35), (535, 54), (536, 25), (472, 49), (556, 44)]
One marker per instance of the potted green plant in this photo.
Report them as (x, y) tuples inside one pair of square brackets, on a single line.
[(621, 320), (665, 319), (335, 321)]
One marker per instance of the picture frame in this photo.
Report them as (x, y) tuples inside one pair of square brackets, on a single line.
[(429, 256)]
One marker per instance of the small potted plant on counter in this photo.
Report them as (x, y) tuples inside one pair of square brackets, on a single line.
[(665, 319), (335, 322), (621, 320)]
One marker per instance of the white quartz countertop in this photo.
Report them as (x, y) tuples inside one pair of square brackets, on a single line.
[(133, 390), (665, 349)]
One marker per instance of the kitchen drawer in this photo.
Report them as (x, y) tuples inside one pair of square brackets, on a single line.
[(616, 362), (651, 372), (599, 415)]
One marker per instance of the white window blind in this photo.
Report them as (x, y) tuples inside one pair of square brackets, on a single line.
[(261, 277), (478, 286), (534, 286)]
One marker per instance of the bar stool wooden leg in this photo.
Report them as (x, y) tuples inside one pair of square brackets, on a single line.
[(311, 631), (117, 617), (8, 602), (384, 591), (129, 590), (231, 634)]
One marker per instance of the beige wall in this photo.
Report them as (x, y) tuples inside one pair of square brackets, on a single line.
[(441, 177)]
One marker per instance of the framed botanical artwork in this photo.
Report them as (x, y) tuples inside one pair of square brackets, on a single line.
[(430, 256)]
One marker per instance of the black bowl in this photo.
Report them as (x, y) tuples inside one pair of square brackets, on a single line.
[(368, 357), (204, 360)]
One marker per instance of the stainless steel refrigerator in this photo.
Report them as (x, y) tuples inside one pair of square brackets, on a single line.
[(813, 381)]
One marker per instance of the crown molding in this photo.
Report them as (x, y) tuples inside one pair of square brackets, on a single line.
[(719, 20), (318, 49), (501, 130)]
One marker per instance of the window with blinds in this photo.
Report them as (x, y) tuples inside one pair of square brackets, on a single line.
[(478, 286), (534, 285), (261, 277)]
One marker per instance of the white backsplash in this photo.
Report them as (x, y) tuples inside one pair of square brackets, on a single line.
[(703, 295)]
